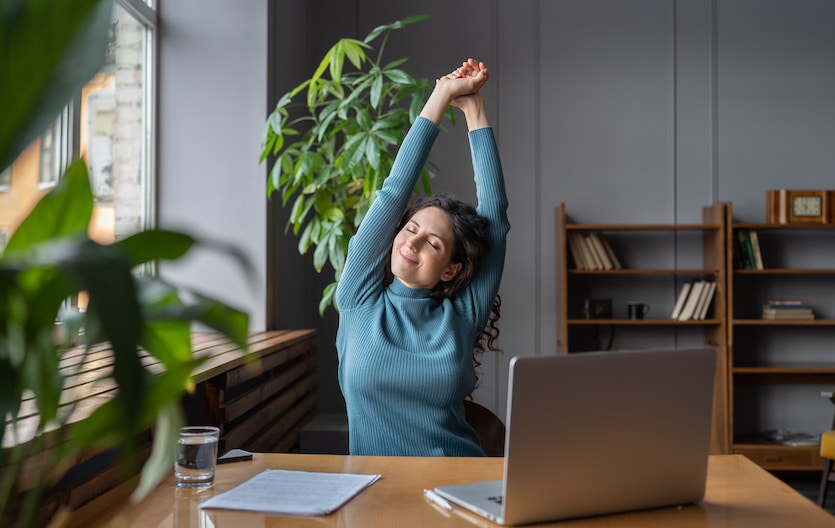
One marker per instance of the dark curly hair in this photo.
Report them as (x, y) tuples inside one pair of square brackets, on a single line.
[(471, 247)]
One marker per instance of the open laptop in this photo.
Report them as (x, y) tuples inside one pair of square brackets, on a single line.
[(598, 433)]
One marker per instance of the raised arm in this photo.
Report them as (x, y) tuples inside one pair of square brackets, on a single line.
[(490, 190)]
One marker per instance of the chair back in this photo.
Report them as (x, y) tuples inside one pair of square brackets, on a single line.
[(490, 428)]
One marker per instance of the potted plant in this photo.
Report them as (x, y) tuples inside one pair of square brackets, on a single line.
[(50, 258), (333, 139)]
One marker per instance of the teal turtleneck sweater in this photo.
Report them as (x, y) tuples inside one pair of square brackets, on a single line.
[(405, 359)]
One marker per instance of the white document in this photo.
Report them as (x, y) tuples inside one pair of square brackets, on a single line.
[(292, 492)]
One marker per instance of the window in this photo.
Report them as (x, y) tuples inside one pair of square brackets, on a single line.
[(53, 152), (111, 126)]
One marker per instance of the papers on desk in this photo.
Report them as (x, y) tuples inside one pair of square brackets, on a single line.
[(292, 492)]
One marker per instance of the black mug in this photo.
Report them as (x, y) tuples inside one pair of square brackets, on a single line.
[(637, 310)]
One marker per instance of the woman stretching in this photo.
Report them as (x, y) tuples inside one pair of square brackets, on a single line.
[(417, 298)]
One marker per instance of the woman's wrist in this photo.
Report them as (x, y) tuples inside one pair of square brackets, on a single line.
[(475, 111)]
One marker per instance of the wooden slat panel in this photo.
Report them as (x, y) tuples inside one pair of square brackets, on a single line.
[(241, 434), (262, 392), (283, 435)]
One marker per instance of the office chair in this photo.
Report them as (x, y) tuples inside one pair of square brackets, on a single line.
[(490, 428), (827, 452)]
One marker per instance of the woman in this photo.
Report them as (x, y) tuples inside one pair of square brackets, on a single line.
[(415, 296)]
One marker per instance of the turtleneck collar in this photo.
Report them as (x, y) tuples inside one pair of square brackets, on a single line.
[(401, 290)]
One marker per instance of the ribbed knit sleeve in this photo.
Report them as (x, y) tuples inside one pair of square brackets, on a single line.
[(362, 276), (492, 204)]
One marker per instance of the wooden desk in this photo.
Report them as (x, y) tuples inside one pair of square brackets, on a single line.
[(739, 494)]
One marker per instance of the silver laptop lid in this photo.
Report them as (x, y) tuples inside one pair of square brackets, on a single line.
[(604, 432)]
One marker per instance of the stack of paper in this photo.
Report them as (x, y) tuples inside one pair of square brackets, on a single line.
[(292, 492)]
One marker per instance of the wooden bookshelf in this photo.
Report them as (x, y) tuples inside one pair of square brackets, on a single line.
[(652, 276), (775, 362)]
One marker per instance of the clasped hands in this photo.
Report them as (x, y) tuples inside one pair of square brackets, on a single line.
[(466, 79)]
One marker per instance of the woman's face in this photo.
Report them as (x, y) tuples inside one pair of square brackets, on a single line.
[(422, 251)]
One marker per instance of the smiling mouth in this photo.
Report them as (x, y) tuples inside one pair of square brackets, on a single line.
[(407, 259)]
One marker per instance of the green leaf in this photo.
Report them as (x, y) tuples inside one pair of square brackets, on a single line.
[(232, 323), (41, 375), (327, 297), (395, 63), (398, 76), (298, 207), (320, 255), (169, 420), (355, 51), (49, 50), (169, 341), (376, 91), (364, 118), (335, 215), (372, 153), (337, 59), (63, 212), (153, 245), (394, 25), (305, 239), (314, 80)]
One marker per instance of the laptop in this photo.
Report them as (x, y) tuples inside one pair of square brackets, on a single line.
[(598, 433)]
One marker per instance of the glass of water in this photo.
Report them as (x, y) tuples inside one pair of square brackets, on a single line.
[(196, 456)]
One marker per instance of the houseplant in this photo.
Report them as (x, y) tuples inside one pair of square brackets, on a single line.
[(48, 50), (333, 139)]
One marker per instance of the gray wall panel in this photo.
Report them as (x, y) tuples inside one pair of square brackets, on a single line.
[(776, 102)]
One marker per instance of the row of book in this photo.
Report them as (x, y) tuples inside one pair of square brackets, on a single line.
[(782, 309), (747, 254), (591, 251), (694, 299)]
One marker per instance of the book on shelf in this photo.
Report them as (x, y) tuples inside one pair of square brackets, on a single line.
[(590, 253), (755, 249), (787, 303), (682, 297), (746, 249), (693, 297), (707, 298), (610, 252), (779, 309), (600, 251), (783, 314), (576, 250)]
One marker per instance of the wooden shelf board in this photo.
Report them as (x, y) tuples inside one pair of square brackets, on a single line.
[(785, 271), (764, 226), (783, 322), (641, 227), (786, 369), (643, 322), (645, 272)]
